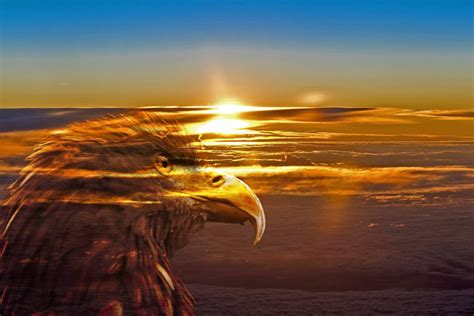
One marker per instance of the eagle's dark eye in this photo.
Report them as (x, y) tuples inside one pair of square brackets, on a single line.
[(163, 165)]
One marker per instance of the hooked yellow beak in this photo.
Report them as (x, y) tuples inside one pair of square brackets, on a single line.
[(231, 200)]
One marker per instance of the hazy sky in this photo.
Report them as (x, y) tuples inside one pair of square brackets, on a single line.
[(410, 54)]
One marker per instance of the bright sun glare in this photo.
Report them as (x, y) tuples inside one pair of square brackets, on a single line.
[(231, 107), (226, 121), (223, 126)]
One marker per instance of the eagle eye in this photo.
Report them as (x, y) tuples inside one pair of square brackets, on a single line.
[(163, 165)]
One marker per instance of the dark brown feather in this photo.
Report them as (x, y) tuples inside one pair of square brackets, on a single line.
[(85, 229)]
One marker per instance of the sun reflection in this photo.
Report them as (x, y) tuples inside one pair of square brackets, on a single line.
[(232, 106), (223, 125), (226, 119)]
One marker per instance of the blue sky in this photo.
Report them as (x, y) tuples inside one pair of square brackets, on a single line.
[(98, 24), (77, 29)]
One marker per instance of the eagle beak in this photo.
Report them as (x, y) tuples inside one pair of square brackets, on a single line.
[(231, 200)]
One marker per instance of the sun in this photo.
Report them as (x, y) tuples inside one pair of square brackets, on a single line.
[(226, 118), (222, 125), (231, 107)]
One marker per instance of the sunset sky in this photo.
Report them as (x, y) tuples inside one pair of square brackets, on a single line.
[(353, 121), (408, 54)]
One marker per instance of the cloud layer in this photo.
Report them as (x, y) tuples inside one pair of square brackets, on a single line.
[(356, 198)]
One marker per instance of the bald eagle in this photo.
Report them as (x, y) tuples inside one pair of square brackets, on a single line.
[(91, 223)]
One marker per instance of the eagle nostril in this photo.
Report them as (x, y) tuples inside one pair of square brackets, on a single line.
[(217, 180)]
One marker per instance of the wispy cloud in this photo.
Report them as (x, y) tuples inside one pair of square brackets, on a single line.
[(441, 114), (319, 180)]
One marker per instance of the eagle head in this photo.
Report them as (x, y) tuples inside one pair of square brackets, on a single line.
[(100, 208)]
